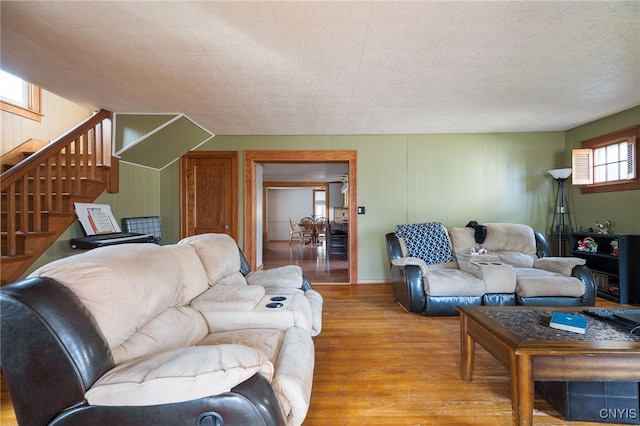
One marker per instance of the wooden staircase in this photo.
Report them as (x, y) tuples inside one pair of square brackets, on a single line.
[(38, 194), (19, 153)]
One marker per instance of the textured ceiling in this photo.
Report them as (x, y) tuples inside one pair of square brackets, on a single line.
[(339, 67)]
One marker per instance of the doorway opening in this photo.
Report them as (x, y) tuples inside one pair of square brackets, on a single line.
[(254, 201), (319, 203)]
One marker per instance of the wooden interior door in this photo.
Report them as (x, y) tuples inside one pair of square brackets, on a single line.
[(209, 193)]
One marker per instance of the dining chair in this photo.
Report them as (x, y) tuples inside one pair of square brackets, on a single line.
[(306, 230), (321, 229), (293, 232)]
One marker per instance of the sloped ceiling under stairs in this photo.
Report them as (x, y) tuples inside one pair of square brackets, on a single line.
[(156, 140)]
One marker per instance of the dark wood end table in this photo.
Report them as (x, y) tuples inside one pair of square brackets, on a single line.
[(521, 339)]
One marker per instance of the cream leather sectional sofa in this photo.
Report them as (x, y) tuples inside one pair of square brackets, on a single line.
[(148, 334)]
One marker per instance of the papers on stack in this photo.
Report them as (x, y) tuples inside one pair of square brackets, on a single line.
[(568, 322), (96, 218)]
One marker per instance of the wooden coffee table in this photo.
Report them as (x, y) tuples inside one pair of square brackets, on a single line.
[(521, 339)]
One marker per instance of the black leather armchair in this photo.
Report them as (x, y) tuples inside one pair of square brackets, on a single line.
[(52, 352)]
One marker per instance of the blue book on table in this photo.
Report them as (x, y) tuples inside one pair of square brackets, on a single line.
[(568, 322)]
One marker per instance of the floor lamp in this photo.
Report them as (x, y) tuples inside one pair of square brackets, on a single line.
[(561, 208)]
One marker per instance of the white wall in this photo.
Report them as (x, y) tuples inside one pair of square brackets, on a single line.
[(285, 203), (59, 116)]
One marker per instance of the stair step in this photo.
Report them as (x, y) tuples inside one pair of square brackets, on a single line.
[(19, 153)]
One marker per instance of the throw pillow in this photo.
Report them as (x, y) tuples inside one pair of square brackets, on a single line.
[(427, 241)]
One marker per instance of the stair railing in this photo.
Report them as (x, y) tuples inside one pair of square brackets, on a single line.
[(42, 182)]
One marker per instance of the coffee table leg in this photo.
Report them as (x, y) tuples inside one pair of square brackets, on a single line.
[(467, 349), (522, 393)]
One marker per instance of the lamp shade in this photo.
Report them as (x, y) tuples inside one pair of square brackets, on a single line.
[(560, 173)]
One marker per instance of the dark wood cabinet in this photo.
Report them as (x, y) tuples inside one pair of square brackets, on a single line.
[(615, 262)]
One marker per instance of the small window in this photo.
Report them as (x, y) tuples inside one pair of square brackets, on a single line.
[(607, 163), (319, 203), (19, 97)]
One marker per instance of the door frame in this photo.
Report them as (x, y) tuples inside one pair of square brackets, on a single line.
[(253, 158)]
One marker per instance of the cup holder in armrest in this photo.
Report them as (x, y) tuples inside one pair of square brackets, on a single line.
[(278, 298), (274, 305)]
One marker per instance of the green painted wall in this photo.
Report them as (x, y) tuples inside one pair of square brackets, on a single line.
[(452, 178), (622, 207), (170, 202)]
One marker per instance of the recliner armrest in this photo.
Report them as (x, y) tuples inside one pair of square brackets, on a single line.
[(404, 261), (560, 265), (229, 298), (283, 276)]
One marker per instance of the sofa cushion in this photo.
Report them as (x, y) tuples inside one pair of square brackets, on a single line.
[(452, 282), (171, 329), (531, 282), (462, 239), (427, 241), (265, 340), (512, 237), (193, 275), (235, 279), (114, 283), (218, 253), (516, 258), (513, 243), (178, 375)]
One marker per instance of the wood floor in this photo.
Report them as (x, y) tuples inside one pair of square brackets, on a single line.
[(376, 364), (312, 258)]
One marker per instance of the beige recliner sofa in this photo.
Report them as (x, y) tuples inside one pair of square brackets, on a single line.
[(269, 297), (433, 269), (148, 334)]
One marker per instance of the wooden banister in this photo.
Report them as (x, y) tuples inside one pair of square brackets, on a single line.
[(50, 180)]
